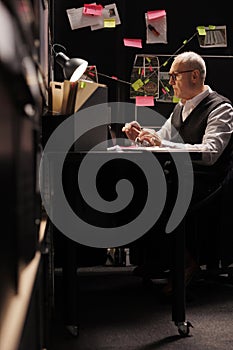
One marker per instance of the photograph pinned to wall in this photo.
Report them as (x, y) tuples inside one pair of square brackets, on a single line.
[(156, 27), (144, 78), (166, 93), (109, 12), (212, 36)]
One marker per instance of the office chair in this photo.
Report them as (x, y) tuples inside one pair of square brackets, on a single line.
[(214, 262), (216, 265)]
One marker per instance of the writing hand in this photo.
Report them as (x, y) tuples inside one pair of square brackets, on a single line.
[(150, 136), (132, 130)]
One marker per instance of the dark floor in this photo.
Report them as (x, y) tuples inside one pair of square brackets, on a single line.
[(117, 311)]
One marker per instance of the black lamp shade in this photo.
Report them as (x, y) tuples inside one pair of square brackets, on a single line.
[(73, 68)]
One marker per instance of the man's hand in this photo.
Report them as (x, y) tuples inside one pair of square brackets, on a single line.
[(150, 136), (134, 132)]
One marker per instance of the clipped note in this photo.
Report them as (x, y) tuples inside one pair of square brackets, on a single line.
[(145, 101), (78, 20), (212, 36), (133, 42), (156, 27), (109, 12)]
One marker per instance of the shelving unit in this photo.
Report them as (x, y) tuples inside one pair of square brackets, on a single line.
[(23, 99)]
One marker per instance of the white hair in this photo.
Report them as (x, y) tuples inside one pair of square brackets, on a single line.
[(192, 60)]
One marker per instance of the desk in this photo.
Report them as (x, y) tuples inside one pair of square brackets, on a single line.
[(114, 171)]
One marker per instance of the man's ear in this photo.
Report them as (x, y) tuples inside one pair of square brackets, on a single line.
[(195, 74)]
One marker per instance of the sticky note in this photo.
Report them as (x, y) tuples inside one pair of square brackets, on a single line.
[(133, 42), (145, 101), (175, 99), (201, 30), (212, 27), (155, 14), (137, 84), (92, 9), (82, 84), (109, 23)]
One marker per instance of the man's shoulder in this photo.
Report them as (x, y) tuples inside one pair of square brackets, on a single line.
[(216, 96)]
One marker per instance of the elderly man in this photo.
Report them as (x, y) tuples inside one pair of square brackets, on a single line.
[(202, 119)]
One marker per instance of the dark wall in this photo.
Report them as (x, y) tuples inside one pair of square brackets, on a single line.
[(104, 48)]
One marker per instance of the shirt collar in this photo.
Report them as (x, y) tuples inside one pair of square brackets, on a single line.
[(193, 102)]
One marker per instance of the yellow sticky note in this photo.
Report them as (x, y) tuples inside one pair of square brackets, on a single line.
[(109, 23), (175, 99), (211, 27), (82, 84), (201, 30), (137, 84)]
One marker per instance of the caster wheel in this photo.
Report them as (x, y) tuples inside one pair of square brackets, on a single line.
[(184, 328)]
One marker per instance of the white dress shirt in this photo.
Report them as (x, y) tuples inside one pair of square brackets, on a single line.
[(217, 134)]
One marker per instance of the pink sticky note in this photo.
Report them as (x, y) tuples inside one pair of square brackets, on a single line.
[(145, 101), (92, 9), (155, 14), (133, 42)]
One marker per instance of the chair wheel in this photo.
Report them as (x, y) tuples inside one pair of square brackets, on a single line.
[(184, 328)]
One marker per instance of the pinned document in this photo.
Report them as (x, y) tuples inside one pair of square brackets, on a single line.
[(110, 18), (156, 27)]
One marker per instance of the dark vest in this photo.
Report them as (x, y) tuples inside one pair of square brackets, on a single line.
[(192, 131)]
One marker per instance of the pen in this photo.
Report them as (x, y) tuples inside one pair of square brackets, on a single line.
[(141, 143), (138, 141), (153, 30)]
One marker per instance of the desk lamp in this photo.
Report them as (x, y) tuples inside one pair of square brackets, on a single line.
[(73, 68)]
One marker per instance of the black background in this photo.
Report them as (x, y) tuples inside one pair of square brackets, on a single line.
[(105, 49)]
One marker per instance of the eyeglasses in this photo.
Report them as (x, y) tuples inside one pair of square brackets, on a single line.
[(174, 75)]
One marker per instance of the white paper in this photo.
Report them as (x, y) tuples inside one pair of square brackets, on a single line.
[(160, 24), (109, 12), (78, 20), (134, 148)]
